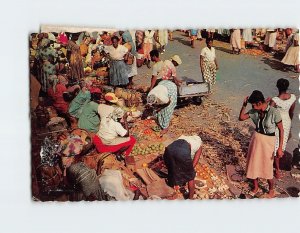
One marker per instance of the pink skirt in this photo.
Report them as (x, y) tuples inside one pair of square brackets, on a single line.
[(260, 156)]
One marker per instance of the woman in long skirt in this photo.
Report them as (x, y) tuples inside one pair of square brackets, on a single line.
[(235, 41), (208, 63), (261, 149), (118, 72)]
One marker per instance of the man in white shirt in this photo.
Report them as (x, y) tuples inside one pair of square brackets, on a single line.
[(156, 77)]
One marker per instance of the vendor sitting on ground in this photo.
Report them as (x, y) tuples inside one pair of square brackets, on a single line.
[(83, 97), (109, 106), (163, 98), (57, 91), (89, 118), (181, 158), (112, 136)]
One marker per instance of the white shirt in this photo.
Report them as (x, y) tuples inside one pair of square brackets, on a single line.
[(110, 129), (296, 37), (195, 142), (149, 36), (210, 54), (161, 93), (104, 110), (118, 53), (156, 70)]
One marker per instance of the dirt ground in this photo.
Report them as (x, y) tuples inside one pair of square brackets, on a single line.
[(216, 119)]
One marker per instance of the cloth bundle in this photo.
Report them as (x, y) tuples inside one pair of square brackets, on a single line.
[(86, 180)]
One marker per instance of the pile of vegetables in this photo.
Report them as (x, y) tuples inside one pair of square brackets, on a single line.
[(157, 148)]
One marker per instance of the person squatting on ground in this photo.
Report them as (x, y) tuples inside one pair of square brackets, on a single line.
[(260, 156), (89, 117), (163, 98)]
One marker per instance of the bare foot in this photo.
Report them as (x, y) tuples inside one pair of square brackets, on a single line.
[(270, 194), (277, 174), (164, 131), (253, 192)]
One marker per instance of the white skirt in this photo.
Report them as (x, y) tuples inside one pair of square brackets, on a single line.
[(292, 56)]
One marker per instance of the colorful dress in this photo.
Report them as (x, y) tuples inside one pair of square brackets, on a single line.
[(76, 64), (284, 106), (209, 69), (164, 116)]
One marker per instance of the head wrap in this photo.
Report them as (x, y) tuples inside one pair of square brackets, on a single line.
[(151, 99), (116, 114), (62, 38), (53, 80)]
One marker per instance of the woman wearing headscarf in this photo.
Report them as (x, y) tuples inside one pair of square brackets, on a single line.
[(181, 158), (113, 136), (57, 91), (82, 98), (285, 103), (260, 156), (163, 98), (46, 55), (118, 72), (208, 63)]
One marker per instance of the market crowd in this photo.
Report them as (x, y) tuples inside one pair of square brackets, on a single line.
[(82, 79)]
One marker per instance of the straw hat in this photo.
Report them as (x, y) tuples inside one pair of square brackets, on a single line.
[(111, 97), (177, 59)]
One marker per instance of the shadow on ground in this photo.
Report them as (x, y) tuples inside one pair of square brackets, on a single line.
[(293, 191), (183, 41), (275, 64), (224, 50), (286, 162)]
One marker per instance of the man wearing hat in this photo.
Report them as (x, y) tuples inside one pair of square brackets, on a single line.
[(168, 71)]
